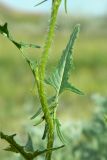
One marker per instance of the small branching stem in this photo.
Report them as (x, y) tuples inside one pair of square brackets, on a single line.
[(42, 68)]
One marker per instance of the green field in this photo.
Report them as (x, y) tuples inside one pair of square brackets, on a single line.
[(16, 80)]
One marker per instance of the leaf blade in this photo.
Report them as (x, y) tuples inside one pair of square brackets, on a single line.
[(20, 45), (60, 76), (5, 31)]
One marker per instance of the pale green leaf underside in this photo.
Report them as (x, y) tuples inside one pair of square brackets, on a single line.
[(59, 78), (59, 132)]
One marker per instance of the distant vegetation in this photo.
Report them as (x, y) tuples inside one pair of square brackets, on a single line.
[(96, 25), (90, 68)]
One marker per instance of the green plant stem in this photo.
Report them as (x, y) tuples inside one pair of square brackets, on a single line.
[(42, 68)]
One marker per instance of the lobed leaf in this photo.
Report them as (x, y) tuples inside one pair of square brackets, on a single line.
[(4, 30), (11, 147), (14, 146), (60, 76), (20, 45)]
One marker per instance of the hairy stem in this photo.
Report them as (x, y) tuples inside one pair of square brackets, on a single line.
[(42, 68)]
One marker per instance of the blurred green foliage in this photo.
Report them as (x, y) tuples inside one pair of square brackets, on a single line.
[(92, 143), (16, 102)]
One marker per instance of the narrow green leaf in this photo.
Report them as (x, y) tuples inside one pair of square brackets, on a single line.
[(59, 133), (39, 121), (51, 108), (65, 5), (33, 65), (52, 104), (60, 76), (26, 45), (40, 3), (39, 111), (56, 148), (37, 153), (29, 145), (21, 45), (45, 132), (4, 30)]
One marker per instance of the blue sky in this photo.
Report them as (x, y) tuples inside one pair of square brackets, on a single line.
[(82, 7)]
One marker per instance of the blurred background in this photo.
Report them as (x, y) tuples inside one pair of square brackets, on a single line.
[(18, 99)]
